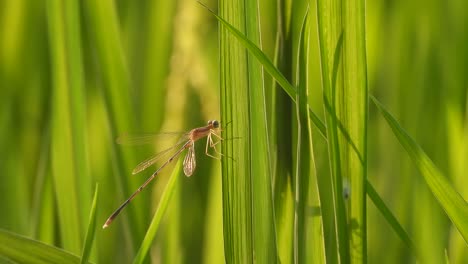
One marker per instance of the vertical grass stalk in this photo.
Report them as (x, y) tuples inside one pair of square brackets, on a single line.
[(104, 28), (248, 207), (62, 144), (329, 28), (355, 120), (345, 95), (309, 244)]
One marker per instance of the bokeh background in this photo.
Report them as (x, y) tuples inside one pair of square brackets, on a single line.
[(151, 66)]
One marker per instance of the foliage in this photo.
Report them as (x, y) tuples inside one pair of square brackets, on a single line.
[(314, 98)]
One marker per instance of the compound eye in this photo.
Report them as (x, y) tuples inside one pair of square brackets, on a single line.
[(215, 123)]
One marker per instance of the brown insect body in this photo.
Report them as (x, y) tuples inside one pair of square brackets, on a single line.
[(201, 132), (189, 160)]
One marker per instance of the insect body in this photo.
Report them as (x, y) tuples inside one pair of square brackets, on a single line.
[(187, 141)]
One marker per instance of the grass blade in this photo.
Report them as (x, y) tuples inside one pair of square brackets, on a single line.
[(354, 117), (21, 249), (268, 65), (213, 251), (391, 219), (104, 28), (345, 92), (89, 238), (275, 73), (154, 226), (330, 39), (264, 233), (449, 199), (158, 51), (78, 105), (62, 147), (309, 238), (281, 146), (237, 181), (258, 53)]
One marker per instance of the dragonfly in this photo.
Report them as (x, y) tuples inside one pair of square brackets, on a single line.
[(187, 141)]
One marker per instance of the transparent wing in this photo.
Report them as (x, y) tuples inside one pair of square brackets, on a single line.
[(142, 139), (189, 161), (146, 163)]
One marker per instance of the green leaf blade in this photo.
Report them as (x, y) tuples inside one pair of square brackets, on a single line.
[(264, 234), (449, 199), (268, 66), (104, 27), (236, 177), (25, 250), (309, 237), (354, 118), (89, 238), (330, 40), (158, 215), (62, 148), (391, 219)]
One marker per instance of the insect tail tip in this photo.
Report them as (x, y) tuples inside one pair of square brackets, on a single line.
[(106, 224)]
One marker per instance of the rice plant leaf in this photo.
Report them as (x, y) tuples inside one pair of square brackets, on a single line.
[(89, 238), (236, 175), (268, 65), (281, 146), (330, 40), (389, 217), (78, 105), (309, 246), (160, 31), (104, 27), (448, 197), (354, 118), (21, 249), (62, 147), (257, 52), (154, 226), (263, 225)]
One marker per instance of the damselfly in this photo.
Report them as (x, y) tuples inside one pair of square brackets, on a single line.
[(187, 141)]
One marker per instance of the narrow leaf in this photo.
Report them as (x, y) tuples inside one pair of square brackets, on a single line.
[(388, 215), (448, 197), (154, 226), (236, 172), (309, 239), (264, 233), (330, 36), (62, 147), (21, 249), (268, 66), (89, 239), (104, 27), (354, 117)]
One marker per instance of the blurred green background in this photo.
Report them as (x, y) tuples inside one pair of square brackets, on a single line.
[(150, 66)]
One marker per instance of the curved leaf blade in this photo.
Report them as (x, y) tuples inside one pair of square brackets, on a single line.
[(91, 229), (21, 249), (388, 215), (447, 196), (154, 226), (268, 66)]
